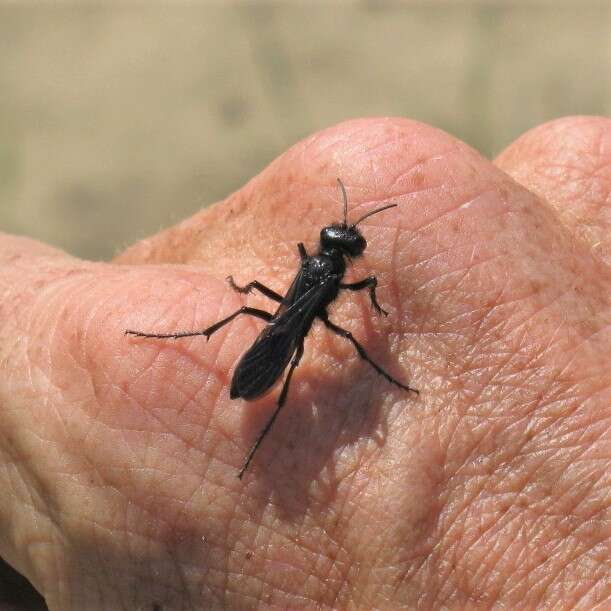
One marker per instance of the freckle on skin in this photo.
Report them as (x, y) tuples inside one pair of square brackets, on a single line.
[(536, 287), (586, 328), (458, 384), (418, 177), (504, 193)]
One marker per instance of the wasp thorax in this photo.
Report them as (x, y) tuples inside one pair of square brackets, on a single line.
[(347, 239)]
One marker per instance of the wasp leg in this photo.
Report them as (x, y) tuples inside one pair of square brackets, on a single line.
[(303, 253), (262, 314), (345, 333), (368, 283), (255, 284), (281, 401)]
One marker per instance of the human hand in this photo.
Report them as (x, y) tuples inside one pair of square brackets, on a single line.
[(120, 454)]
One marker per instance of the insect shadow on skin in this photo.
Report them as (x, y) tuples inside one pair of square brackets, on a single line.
[(280, 343)]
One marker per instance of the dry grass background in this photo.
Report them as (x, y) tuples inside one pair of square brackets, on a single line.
[(117, 120)]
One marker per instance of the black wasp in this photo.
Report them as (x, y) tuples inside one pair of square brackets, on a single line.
[(315, 286)]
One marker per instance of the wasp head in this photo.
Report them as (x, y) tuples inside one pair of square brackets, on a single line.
[(344, 238)]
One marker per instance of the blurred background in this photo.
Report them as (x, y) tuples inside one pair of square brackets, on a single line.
[(119, 120)]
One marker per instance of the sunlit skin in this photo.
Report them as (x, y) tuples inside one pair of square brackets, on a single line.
[(119, 456)]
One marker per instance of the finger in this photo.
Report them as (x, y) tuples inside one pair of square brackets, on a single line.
[(15, 248), (504, 325), (496, 315), (95, 427), (567, 163), (474, 265)]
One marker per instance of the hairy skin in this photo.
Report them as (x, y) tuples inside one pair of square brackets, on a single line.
[(118, 455)]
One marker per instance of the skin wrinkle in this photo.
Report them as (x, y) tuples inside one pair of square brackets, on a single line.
[(498, 555), (508, 367), (551, 579), (413, 565), (189, 354), (556, 162), (140, 508), (311, 557), (299, 540), (151, 548), (578, 602), (573, 406), (469, 502), (455, 208), (585, 342), (373, 570), (585, 488), (346, 508), (506, 320), (482, 534), (259, 541), (95, 525), (303, 574), (215, 576), (429, 285), (270, 580), (343, 566), (18, 537), (32, 501), (337, 575), (486, 571), (456, 439), (472, 454)]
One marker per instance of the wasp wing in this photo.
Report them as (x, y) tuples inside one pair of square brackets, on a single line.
[(267, 358), (297, 291)]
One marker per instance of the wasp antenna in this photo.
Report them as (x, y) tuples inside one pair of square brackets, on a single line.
[(343, 189), (366, 216)]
